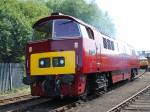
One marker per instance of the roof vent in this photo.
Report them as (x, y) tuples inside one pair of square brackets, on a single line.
[(56, 13)]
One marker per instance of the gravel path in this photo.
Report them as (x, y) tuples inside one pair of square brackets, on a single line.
[(113, 97)]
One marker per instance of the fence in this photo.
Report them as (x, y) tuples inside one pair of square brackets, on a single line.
[(11, 75)]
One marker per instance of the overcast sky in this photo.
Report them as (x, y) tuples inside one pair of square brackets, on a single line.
[(132, 20)]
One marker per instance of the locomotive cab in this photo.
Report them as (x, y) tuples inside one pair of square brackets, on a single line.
[(52, 64)]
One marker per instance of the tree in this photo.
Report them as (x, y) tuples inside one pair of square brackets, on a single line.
[(88, 12), (17, 17), (34, 10), (16, 20)]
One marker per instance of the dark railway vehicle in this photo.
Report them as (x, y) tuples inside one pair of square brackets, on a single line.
[(76, 60)]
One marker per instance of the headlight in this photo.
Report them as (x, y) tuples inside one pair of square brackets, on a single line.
[(61, 62), (44, 62), (58, 62)]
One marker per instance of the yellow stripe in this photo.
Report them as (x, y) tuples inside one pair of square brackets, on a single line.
[(69, 67)]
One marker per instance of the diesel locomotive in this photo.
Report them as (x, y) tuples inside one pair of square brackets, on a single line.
[(76, 59), (143, 62)]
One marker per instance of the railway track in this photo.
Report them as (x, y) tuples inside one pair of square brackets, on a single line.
[(135, 102), (76, 103), (68, 106), (20, 103), (141, 73), (14, 99), (140, 102)]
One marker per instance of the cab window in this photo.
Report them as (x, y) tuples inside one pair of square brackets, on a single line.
[(65, 28), (84, 31), (43, 31), (90, 33)]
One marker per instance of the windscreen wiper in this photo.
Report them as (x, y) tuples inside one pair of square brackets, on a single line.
[(67, 22)]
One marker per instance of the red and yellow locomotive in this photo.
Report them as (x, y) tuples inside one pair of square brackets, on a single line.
[(76, 60), (143, 62)]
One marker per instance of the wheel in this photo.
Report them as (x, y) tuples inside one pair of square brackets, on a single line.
[(83, 97)]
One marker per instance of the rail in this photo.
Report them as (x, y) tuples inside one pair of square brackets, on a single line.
[(8, 100), (21, 104), (130, 100)]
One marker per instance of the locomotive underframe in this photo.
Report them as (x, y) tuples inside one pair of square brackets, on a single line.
[(76, 84)]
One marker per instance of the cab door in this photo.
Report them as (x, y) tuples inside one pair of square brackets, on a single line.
[(94, 51), (89, 50)]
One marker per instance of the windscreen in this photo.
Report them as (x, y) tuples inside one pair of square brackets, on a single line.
[(64, 28), (43, 30), (58, 28)]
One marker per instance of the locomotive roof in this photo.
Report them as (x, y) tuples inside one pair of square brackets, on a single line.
[(62, 17), (52, 17)]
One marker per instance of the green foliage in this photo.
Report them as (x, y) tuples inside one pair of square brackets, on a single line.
[(88, 12), (17, 17), (33, 10), (16, 20)]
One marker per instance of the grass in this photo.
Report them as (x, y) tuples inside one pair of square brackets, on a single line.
[(21, 90)]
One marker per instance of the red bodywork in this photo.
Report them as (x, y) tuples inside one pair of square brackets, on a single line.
[(91, 57), (58, 45)]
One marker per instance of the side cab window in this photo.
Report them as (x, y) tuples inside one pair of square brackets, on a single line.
[(86, 32), (90, 33)]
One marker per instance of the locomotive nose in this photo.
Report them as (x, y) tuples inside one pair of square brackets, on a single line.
[(50, 63)]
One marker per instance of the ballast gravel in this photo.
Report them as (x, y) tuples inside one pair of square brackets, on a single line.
[(113, 97)]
